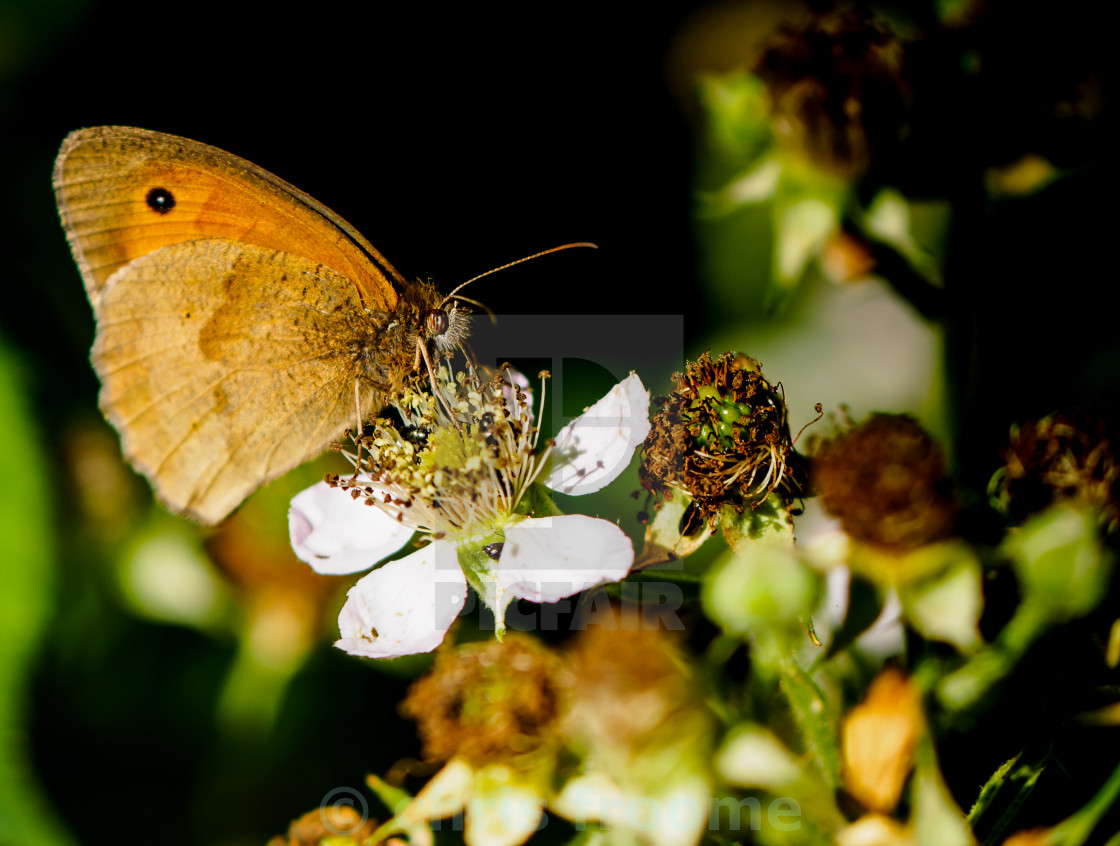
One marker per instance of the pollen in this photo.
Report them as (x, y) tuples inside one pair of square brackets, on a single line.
[(456, 462)]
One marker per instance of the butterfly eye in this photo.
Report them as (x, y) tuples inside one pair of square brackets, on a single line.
[(436, 321)]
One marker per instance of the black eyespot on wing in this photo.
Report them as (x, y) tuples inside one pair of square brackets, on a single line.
[(160, 200)]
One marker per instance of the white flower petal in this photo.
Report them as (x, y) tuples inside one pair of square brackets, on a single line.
[(545, 559), (405, 607), (337, 534), (594, 449)]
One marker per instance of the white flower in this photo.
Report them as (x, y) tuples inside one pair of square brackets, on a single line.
[(463, 481)]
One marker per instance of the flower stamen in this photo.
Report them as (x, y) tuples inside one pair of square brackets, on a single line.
[(457, 462)]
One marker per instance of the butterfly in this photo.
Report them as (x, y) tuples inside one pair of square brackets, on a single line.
[(242, 326)]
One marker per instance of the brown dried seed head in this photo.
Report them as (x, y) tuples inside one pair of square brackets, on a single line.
[(1063, 457), (487, 702), (722, 437), (885, 480)]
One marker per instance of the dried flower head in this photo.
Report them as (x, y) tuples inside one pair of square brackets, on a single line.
[(837, 89), (721, 437), (487, 702), (885, 480), (1064, 457)]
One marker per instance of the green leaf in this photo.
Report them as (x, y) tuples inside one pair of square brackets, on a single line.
[(990, 790), (1023, 781)]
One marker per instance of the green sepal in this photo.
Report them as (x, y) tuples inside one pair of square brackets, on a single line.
[(769, 522), (481, 571), (395, 799), (807, 208), (538, 501), (1061, 563), (815, 717), (935, 816), (947, 607), (670, 536)]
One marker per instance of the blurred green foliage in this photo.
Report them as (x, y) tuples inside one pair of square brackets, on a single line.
[(27, 590)]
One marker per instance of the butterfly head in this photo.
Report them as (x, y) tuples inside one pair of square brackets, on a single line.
[(446, 326)]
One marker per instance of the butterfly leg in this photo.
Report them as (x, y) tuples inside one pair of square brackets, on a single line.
[(358, 407), (422, 350)]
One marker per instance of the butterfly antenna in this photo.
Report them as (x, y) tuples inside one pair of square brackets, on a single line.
[(512, 263)]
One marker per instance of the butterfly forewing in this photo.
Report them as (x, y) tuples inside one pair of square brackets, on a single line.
[(125, 192)]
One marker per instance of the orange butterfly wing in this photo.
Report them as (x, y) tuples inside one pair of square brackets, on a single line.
[(125, 192)]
